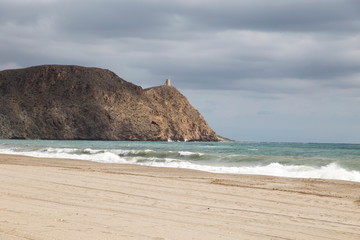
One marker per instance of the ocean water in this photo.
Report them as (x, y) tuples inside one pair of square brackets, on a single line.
[(301, 160)]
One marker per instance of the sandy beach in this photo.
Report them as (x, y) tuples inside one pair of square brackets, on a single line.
[(43, 199)]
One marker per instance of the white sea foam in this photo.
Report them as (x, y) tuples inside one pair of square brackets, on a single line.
[(71, 153), (187, 153), (330, 171), (91, 151)]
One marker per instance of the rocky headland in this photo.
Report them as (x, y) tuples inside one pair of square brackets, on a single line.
[(73, 102)]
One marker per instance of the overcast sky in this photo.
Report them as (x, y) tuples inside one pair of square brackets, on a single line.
[(258, 70)]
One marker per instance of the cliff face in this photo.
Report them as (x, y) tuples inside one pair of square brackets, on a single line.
[(72, 102)]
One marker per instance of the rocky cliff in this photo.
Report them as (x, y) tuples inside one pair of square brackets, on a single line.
[(73, 102)]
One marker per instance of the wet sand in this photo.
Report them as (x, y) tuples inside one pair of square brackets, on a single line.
[(43, 199)]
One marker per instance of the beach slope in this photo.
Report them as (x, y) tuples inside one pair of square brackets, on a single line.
[(42, 199)]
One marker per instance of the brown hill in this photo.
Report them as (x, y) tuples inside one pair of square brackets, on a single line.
[(72, 102)]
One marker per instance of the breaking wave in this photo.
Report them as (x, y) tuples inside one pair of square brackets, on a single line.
[(283, 166)]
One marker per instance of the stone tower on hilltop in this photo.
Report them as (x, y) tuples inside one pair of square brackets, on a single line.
[(168, 82)]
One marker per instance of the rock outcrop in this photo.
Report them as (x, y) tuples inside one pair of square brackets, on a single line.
[(73, 102)]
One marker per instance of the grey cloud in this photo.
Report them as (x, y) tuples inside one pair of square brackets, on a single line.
[(293, 16), (23, 14), (212, 73), (100, 19), (288, 58), (164, 20), (112, 19), (197, 44), (169, 20)]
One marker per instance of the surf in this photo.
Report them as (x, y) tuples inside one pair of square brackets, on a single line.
[(324, 161)]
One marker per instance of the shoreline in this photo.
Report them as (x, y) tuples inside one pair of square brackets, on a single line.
[(47, 198)]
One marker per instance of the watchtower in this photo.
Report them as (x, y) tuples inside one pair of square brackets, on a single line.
[(168, 82)]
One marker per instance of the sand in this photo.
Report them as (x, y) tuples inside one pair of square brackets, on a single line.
[(70, 199)]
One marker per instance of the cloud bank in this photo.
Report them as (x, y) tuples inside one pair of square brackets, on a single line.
[(291, 62)]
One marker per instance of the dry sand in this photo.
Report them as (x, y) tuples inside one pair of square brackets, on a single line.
[(68, 199)]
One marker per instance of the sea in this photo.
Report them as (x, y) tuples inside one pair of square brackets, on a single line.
[(299, 160)]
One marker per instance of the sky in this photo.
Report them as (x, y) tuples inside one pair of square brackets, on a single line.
[(257, 70)]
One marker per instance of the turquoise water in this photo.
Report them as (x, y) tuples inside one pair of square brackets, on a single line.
[(304, 160)]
